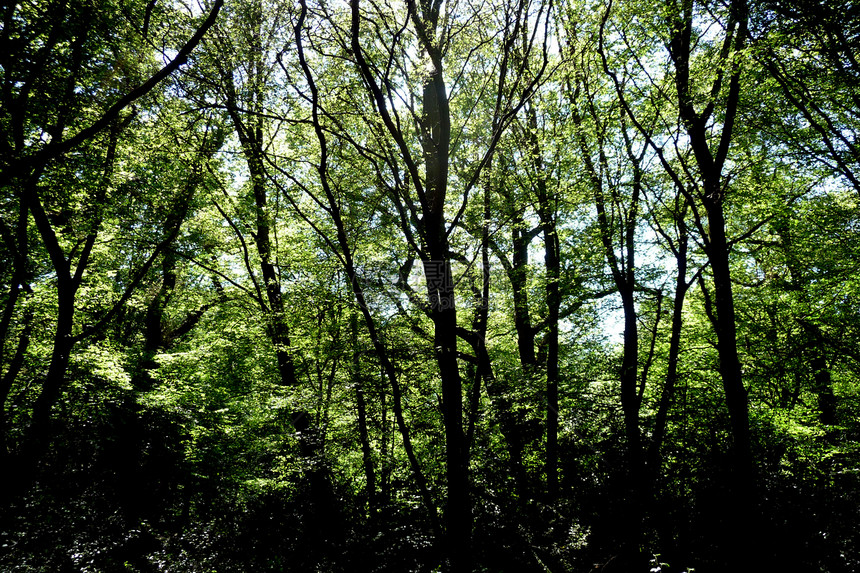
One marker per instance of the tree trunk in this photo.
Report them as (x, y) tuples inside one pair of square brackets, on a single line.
[(39, 433), (366, 452), (553, 300), (17, 243), (349, 266), (671, 379), (710, 160), (436, 140), (726, 331), (518, 277)]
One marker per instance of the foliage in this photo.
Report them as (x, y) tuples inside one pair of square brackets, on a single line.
[(429, 286)]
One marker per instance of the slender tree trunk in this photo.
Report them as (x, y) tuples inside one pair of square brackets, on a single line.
[(664, 522), (247, 118), (517, 273), (710, 164), (816, 348), (742, 506), (666, 397), (8, 379), (623, 271), (277, 326), (17, 242), (363, 435), (60, 353), (553, 299), (153, 326), (38, 435), (355, 284), (552, 263)]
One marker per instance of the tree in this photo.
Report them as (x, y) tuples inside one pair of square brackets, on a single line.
[(65, 112), (809, 51), (707, 104), (434, 35)]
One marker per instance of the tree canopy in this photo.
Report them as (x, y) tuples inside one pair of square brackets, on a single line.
[(533, 285)]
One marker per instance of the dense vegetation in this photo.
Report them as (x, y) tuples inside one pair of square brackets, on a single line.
[(416, 286)]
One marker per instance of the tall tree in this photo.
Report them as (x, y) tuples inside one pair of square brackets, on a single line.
[(68, 94), (707, 104), (433, 34)]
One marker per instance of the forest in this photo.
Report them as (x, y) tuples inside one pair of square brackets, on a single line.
[(430, 285)]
